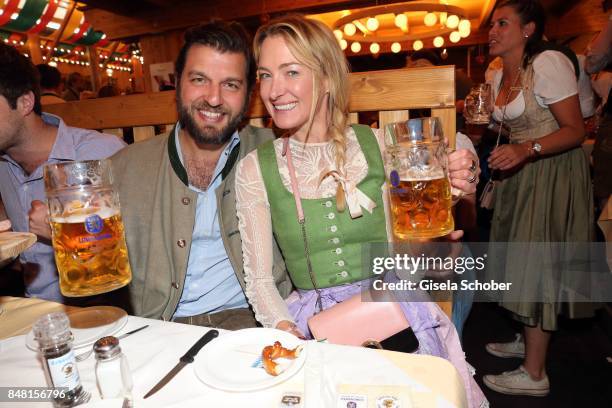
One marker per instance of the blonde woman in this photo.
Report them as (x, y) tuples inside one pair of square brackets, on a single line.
[(321, 185)]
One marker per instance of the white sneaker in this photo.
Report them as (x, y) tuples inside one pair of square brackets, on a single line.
[(514, 348), (518, 382)]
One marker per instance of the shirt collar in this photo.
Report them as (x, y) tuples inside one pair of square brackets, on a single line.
[(63, 148), (229, 154)]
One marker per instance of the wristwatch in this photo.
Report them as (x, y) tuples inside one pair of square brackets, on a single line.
[(536, 148)]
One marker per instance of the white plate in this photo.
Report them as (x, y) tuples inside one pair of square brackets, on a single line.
[(226, 362), (89, 324)]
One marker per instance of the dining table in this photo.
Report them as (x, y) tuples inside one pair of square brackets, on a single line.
[(331, 374)]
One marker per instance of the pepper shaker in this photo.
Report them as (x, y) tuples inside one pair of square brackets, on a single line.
[(52, 332)]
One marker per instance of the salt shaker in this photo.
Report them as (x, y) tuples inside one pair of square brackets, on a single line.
[(112, 370), (52, 332)]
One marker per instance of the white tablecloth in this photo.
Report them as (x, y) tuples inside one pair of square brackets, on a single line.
[(154, 351)]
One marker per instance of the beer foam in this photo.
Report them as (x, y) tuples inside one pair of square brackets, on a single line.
[(103, 213), (415, 175)]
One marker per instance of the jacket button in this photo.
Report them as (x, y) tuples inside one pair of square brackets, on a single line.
[(181, 243), (175, 285), (186, 200)]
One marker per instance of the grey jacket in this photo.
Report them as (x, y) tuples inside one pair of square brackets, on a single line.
[(158, 211)]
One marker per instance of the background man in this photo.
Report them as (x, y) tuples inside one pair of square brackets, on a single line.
[(50, 84), (29, 139)]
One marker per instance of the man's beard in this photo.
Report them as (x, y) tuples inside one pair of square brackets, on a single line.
[(208, 134)]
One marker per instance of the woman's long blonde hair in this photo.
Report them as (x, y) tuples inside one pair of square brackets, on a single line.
[(314, 45)]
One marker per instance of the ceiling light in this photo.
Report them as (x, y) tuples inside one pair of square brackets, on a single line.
[(452, 21), (454, 37), (338, 34), (438, 42), (350, 29), (430, 19), (401, 20), (343, 44), (464, 28), (355, 47), (372, 24), (396, 47), (374, 48), (417, 45)]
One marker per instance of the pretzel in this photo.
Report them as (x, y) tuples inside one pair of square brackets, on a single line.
[(271, 353)]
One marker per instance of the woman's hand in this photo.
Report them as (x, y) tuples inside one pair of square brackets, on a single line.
[(509, 156), (463, 170), (286, 325)]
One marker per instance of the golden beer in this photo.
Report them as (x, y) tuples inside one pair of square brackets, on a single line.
[(90, 252), (421, 208)]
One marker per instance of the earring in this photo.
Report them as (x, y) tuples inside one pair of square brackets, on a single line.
[(526, 35)]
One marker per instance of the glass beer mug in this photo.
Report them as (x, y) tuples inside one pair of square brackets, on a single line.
[(478, 105), (87, 231), (417, 174)]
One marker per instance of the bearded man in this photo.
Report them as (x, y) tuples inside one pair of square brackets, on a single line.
[(177, 190)]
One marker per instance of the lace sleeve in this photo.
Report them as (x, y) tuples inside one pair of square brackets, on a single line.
[(255, 224)]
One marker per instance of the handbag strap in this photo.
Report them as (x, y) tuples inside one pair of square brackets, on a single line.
[(300, 216)]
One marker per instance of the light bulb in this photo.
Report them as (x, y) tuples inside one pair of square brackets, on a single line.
[(372, 24), (443, 16), (430, 19), (338, 34), (454, 37), (401, 20), (417, 45), (452, 21), (350, 29), (396, 47), (343, 44), (355, 47), (464, 28), (438, 42), (374, 48)]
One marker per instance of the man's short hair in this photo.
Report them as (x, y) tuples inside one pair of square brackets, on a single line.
[(223, 37), (50, 77), (73, 78), (18, 76)]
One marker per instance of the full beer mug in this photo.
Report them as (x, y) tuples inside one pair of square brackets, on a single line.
[(417, 175), (86, 226)]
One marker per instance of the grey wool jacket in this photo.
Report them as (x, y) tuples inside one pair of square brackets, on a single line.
[(158, 211)]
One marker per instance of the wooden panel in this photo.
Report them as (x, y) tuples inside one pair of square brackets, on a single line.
[(385, 117), (353, 118), (390, 90), (114, 131), (118, 111), (143, 133), (403, 89), (448, 118)]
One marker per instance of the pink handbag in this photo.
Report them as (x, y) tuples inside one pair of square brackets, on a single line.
[(357, 323)]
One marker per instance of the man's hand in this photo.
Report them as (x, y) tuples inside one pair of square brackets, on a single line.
[(5, 225), (39, 220)]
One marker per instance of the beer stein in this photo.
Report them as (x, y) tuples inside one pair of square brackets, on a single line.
[(417, 175), (86, 227), (478, 105)]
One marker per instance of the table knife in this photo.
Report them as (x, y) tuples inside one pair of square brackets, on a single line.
[(183, 361)]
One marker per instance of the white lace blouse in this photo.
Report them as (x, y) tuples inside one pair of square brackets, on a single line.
[(311, 161)]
